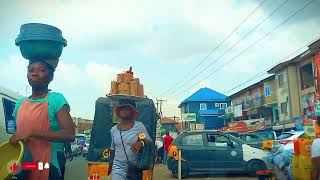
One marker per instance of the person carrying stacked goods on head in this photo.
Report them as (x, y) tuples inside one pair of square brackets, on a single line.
[(43, 120)]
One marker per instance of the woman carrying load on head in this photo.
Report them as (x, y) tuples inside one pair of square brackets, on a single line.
[(43, 120)]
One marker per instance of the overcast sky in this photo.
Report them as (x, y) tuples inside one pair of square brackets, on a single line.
[(162, 40)]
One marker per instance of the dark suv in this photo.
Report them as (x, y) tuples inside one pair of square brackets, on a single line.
[(215, 151)]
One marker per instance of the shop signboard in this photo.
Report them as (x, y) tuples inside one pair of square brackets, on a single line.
[(199, 126), (310, 128), (189, 117), (317, 69), (238, 110), (317, 104), (298, 123)]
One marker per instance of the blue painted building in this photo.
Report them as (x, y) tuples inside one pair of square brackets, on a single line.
[(208, 105)]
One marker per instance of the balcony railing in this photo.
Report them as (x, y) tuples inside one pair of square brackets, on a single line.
[(253, 103)]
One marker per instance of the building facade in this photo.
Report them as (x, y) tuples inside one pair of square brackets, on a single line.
[(256, 101), (82, 125), (208, 106)]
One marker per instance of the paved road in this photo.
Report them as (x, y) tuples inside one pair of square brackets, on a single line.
[(77, 170)]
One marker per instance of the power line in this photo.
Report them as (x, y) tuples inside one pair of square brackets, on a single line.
[(256, 42), (222, 42), (235, 44), (264, 71)]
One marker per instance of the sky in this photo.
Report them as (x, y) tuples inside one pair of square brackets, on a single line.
[(164, 41)]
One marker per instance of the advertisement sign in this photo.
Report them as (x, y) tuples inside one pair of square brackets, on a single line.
[(317, 69), (188, 117), (238, 110), (310, 128), (248, 125), (199, 126), (298, 123), (317, 104), (229, 110)]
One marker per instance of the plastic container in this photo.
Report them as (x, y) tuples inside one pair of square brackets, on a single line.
[(296, 144), (267, 144), (304, 161), (10, 154), (40, 41), (305, 147), (295, 160), (305, 174)]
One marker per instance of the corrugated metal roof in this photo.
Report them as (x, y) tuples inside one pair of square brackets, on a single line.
[(205, 95)]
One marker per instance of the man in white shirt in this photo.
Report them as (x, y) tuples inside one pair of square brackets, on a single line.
[(315, 155)]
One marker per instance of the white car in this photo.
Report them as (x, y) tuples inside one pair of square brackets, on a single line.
[(285, 140)]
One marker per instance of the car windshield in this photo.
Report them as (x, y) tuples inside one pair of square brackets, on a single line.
[(285, 136)]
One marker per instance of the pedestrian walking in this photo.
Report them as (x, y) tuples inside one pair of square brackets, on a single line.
[(43, 120), (127, 142), (167, 141)]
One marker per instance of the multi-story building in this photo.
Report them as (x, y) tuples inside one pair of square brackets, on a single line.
[(257, 101), (295, 83), (82, 125), (208, 105)]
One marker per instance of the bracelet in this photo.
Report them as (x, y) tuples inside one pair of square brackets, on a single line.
[(142, 143)]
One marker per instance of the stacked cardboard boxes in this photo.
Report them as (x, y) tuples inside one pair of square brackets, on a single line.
[(127, 84)]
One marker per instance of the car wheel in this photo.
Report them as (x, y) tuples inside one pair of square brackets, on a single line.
[(256, 165), (184, 170)]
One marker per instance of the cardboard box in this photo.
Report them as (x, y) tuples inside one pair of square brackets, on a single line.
[(140, 90), (134, 88), (114, 87), (127, 78), (137, 80), (120, 78)]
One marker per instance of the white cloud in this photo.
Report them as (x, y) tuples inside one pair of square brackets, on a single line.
[(80, 85)]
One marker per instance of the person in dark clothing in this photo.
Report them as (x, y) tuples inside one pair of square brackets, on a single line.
[(63, 156)]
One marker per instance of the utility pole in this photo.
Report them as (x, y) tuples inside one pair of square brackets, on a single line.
[(159, 105)]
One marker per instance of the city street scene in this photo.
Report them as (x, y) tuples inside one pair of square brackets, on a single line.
[(160, 90)]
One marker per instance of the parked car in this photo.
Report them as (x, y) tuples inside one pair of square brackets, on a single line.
[(249, 138), (267, 134), (210, 151), (285, 140), (8, 100)]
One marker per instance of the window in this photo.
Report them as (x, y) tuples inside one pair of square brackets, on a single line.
[(8, 107), (217, 140), (281, 80), (284, 136), (284, 109), (203, 106), (257, 96), (307, 79), (267, 91), (249, 138), (247, 99), (217, 105), (193, 140), (223, 105)]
